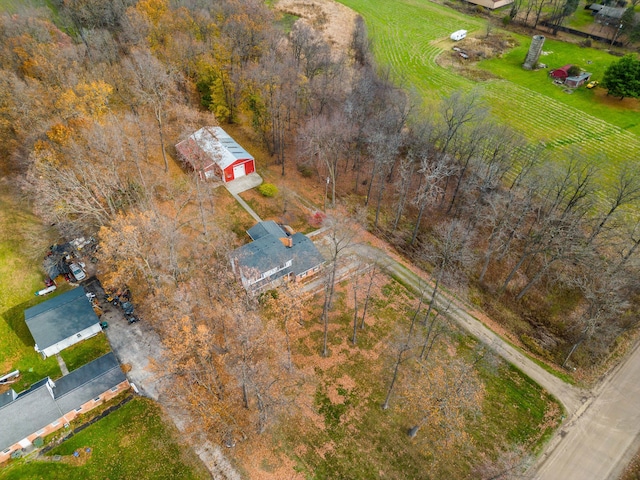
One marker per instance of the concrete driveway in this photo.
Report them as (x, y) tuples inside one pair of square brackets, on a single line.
[(133, 344), (243, 184)]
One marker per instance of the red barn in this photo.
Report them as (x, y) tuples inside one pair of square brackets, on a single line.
[(214, 154), (561, 73)]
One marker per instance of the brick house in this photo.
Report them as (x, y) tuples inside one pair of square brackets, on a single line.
[(49, 405)]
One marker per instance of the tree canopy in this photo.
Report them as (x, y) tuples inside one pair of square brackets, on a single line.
[(622, 78)]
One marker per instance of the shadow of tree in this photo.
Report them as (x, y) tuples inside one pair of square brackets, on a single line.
[(14, 317)]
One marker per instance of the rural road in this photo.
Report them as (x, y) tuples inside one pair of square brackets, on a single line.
[(602, 431), (600, 442)]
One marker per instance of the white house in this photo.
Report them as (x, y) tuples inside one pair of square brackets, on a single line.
[(62, 321)]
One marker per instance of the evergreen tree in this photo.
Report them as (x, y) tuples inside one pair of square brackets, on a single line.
[(622, 78)]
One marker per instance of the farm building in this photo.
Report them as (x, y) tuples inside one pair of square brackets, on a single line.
[(214, 154), (578, 80), (48, 406), (274, 254), (62, 321), (609, 16), (560, 73), (491, 4)]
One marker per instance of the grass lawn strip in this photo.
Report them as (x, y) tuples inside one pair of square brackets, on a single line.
[(135, 441), (354, 438)]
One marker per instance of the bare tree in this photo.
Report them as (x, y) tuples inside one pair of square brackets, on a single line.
[(450, 254), (155, 86), (324, 139), (404, 344), (341, 232)]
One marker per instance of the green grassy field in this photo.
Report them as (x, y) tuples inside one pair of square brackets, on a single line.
[(21, 236), (408, 35), (132, 442)]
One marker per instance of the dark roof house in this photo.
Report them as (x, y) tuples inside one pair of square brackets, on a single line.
[(274, 254), (62, 321), (610, 16), (47, 406), (268, 227)]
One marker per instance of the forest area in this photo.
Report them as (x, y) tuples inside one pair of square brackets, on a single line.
[(96, 93)]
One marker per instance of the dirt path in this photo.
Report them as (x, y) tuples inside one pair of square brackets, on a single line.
[(333, 19)]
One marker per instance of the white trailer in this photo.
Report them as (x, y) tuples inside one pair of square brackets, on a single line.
[(458, 35)]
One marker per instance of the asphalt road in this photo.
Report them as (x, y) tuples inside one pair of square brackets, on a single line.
[(598, 443)]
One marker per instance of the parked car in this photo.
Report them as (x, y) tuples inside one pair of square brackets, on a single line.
[(127, 307), (593, 84), (132, 319), (77, 272)]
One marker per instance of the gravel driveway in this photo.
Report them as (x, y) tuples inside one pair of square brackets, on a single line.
[(134, 345)]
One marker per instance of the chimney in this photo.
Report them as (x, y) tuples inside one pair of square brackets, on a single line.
[(287, 241)]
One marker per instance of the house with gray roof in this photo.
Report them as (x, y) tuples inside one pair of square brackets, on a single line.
[(610, 16), (62, 321), (49, 405), (274, 254)]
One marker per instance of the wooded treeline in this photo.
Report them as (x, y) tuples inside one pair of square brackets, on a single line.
[(91, 107)]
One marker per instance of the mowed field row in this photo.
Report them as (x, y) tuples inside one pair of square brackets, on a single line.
[(406, 34)]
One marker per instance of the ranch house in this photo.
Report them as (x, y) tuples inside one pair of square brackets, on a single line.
[(215, 155), (274, 254), (49, 405), (62, 321), (491, 4)]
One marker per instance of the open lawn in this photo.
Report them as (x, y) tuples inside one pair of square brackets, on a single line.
[(408, 35), (132, 442), (23, 242), (350, 436), (21, 235)]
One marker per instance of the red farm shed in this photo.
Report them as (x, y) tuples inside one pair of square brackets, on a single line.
[(214, 154), (561, 73)]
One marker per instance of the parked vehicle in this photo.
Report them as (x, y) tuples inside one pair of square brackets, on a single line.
[(593, 84), (132, 319), (45, 291), (127, 307), (77, 272)]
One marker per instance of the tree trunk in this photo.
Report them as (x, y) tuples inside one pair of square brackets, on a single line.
[(385, 405), (354, 339), (423, 206)]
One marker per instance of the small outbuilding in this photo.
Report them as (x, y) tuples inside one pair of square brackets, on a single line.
[(215, 155), (458, 35), (62, 321), (560, 73), (578, 80)]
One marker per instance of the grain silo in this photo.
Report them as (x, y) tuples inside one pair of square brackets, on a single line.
[(534, 52)]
